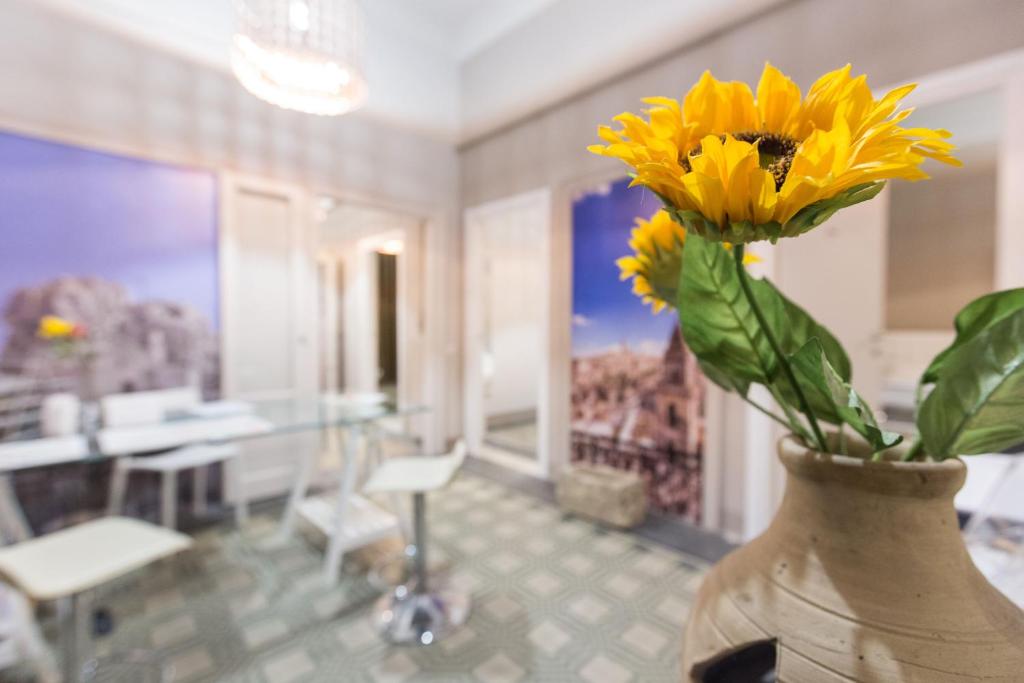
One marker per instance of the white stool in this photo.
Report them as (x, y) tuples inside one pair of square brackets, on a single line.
[(145, 408), (197, 458), (417, 612), (67, 565)]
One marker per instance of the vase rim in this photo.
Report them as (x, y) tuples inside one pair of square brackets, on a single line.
[(925, 479)]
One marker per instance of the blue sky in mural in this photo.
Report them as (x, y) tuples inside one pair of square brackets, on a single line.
[(605, 312), (70, 211)]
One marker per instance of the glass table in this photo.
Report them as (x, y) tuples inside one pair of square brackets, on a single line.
[(347, 519)]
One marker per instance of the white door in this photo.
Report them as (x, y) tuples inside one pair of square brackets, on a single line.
[(508, 308), (268, 312)]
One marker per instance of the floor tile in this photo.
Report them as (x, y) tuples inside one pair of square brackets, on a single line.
[(601, 669), (499, 669), (289, 667)]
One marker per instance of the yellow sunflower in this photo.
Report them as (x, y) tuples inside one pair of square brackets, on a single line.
[(737, 169), (53, 327), (657, 258)]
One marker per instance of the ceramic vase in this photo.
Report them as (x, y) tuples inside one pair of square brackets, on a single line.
[(862, 576)]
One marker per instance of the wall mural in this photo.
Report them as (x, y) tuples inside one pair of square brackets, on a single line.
[(637, 393), (127, 248), (124, 248)]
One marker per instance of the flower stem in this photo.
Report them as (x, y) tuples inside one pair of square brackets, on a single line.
[(915, 450), (769, 413), (787, 369), (795, 425)]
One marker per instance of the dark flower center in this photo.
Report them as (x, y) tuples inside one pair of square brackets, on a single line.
[(775, 151)]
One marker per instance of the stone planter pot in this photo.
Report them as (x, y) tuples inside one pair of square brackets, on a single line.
[(861, 576)]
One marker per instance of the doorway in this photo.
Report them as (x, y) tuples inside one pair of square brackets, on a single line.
[(507, 309), (369, 264)]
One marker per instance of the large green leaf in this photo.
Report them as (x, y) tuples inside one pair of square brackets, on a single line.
[(793, 327), (717, 321), (977, 405), (722, 329), (972, 320), (723, 380), (798, 327), (824, 386)]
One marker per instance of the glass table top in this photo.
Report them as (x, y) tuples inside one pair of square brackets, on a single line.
[(213, 422)]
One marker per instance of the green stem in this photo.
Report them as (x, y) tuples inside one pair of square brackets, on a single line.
[(787, 369), (794, 422), (842, 438), (769, 413), (915, 450)]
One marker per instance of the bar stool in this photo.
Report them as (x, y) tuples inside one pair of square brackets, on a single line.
[(416, 612), (67, 565)]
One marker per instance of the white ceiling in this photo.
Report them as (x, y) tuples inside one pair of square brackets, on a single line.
[(467, 26), (435, 65)]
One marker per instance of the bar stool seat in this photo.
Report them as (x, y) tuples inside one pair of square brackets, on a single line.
[(68, 564), (415, 474), (415, 612)]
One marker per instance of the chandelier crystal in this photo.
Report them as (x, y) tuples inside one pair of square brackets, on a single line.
[(305, 55)]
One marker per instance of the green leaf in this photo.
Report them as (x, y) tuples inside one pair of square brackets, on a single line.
[(793, 327), (723, 380), (972, 320), (717, 322), (798, 327), (977, 405), (813, 215), (722, 330), (824, 385)]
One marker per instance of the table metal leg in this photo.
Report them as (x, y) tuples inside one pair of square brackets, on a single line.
[(74, 635), (419, 515)]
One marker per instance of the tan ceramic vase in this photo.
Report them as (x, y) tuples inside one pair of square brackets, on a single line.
[(861, 576)]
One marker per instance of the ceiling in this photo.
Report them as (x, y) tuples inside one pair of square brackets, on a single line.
[(467, 26), (435, 65)]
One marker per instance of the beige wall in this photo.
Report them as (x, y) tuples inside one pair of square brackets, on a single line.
[(941, 254), (71, 81), (891, 40)]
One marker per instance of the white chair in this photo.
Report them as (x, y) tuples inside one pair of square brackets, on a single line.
[(138, 410), (417, 612), (67, 565)]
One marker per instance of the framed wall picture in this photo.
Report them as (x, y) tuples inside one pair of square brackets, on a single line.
[(124, 247), (638, 396)]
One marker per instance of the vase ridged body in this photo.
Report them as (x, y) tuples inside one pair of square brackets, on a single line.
[(862, 576)]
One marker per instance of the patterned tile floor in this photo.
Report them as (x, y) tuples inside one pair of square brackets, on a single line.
[(555, 599)]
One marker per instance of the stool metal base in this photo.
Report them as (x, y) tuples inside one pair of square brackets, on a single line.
[(405, 617)]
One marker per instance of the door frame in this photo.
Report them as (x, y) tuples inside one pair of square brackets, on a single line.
[(361, 314), (474, 424), (430, 354)]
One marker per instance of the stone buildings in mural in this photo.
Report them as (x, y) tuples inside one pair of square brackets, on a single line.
[(131, 345), (644, 412)]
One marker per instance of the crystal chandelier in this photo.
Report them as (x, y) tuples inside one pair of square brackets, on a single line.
[(305, 55)]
